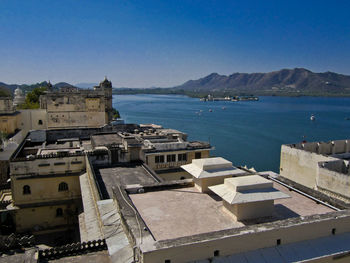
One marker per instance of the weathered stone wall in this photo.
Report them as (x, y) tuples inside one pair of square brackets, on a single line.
[(33, 119), (43, 166), (325, 148), (75, 108), (75, 119), (6, 105), (9, 123), (45, 217), (228, 242), (301, 166), (171, 176), (334, 176), (57, 102), (44, 189)]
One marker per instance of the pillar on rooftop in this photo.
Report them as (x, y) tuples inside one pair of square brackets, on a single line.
[(211, 171)]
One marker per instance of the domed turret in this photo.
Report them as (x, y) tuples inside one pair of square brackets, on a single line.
[(49, 86), (106, 87), (105, 83), (19, 97)]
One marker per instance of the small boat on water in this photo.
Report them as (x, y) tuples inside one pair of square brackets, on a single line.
[(224, 108), (210, 110), (312, 117)]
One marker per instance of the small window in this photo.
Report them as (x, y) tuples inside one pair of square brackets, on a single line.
[(278, 242), (333, 231), (216, 253), (40, 122), (60, 163), (197, 155), (182, 157), (59, 212), (159, 159), (43, 164), (26, 190), (170, 158), (63, 187)]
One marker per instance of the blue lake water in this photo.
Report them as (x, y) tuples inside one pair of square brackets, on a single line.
[(246, 133)]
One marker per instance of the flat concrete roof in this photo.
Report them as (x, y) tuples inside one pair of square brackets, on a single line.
[(105, 139), (68, 150), (181, 212), (121, 175), (8, 151), (185, 212)]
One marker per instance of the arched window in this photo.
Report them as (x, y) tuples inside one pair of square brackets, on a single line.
[(59, 212), (26, 190), (40, 122), (63, 187)]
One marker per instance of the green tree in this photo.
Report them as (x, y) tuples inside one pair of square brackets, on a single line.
[(32, 98), (116, 114)]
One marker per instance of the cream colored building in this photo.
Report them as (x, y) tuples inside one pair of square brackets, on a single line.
[(45, 186), (73, 107), (166, 150), (146, 219), (318, 165), (9, 117), (35, 119), (163, 150), (50, 158)]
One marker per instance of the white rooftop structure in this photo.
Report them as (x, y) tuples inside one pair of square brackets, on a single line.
[(247, 189), (212, 167), (19, 98)]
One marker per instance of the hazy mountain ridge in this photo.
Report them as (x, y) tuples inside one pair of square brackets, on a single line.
[(86, 85), (296, 81), (10, 88)]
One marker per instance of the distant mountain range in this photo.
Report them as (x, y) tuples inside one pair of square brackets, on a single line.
[(285, 82), (86, 85), (8, 89)]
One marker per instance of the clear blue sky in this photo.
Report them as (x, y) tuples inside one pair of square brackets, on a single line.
[(164, 43)]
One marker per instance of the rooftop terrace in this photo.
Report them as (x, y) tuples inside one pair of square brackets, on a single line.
[(181, 212), (122, 175)]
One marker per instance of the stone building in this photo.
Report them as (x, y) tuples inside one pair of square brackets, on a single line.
[(107, 179), (323, 166), (45, 184), (72, 107), (48, 171), (9, 117)]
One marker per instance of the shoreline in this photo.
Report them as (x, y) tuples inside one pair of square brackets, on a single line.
[(255, 95)]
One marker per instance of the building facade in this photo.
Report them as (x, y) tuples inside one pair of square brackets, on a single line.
[(322, 166), (9, 117), (72, 107)]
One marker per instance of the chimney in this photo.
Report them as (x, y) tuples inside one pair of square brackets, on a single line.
[(211, 171), (248, 197)]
